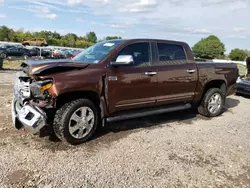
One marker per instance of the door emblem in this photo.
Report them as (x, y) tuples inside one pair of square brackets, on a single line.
[(112, 78)]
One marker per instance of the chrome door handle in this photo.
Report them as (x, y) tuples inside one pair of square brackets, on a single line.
[(150, 73), (191, 70)]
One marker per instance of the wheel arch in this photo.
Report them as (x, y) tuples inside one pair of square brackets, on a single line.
[(70, 96), (98, 100), (218, 83), (26, 44)]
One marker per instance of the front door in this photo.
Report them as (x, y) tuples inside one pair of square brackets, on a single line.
[(177, 77), (136, 85), (13, 51)]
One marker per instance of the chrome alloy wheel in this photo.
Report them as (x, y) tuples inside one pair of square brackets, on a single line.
[(214, 103), (81, 122)]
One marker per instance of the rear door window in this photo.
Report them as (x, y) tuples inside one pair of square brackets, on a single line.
[(170, 54)]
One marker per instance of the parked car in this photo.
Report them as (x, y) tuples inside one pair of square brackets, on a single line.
[(35, 42), (62, 54), (5, 46), (74, 53), (40, 52), (70, 53), (243, 82), (117, 80), (58, 54), (15, 51)]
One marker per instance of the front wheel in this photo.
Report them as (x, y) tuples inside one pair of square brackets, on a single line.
[(76, 121), (212, 103)]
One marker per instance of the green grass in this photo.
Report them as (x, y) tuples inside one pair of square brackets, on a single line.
[(12, 65), (242, 69)]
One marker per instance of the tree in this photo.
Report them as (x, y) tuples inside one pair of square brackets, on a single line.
[(209, 48), (247, 52), (6, 34), (113, 37), (83, 44), (238, 54), (71, 38), (53, 38), (91, 36)]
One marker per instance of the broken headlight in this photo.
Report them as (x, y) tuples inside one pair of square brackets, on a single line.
[(40, 89)]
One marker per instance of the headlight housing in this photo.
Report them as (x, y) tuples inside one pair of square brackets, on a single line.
[(38, 89)]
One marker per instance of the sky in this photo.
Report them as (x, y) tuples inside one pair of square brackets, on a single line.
[(184, 20)]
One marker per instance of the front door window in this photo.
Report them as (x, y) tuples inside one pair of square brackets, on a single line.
[(140, 51)]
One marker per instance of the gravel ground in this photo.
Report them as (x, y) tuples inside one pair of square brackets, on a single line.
[(179, 149)]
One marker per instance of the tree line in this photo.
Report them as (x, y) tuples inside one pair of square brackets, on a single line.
[(208, 48), (211, 48), (52, 38)]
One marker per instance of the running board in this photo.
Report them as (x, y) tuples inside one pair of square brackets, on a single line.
[(143, 113)]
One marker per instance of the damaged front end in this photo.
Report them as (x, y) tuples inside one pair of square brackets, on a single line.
[(30, 100), (35, 92)]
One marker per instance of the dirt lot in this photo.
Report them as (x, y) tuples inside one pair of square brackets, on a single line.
[(179, 149)]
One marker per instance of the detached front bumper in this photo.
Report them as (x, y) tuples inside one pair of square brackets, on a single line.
[(31, 118)]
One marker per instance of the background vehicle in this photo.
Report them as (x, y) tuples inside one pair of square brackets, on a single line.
[(15, 51), (117, 80), (74, 53), (35, 42), (57, 53), (62, 54), (243, 82), (37, 52), (5, 46)]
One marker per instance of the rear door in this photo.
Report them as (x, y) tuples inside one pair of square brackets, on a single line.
[(177, 77), (133, 86)]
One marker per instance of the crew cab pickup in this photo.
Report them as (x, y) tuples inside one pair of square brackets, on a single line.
[(117, 80)]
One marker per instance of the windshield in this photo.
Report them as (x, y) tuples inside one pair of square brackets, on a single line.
[(96, 53)]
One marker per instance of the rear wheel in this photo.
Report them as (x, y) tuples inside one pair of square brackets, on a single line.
[(212, 103), (76, 121)]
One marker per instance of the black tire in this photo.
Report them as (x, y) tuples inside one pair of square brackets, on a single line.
[(203, 107), (62, 120)]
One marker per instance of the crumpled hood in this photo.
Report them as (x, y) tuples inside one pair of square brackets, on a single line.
[(38, 66)]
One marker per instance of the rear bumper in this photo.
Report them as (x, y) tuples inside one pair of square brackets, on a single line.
[(31, 118)]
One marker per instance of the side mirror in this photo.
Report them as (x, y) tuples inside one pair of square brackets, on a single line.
[(123, 60)]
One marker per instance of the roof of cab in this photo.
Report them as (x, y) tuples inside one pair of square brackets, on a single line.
[(148, 39)]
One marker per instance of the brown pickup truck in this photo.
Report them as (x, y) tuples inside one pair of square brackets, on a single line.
[(117, 80)]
